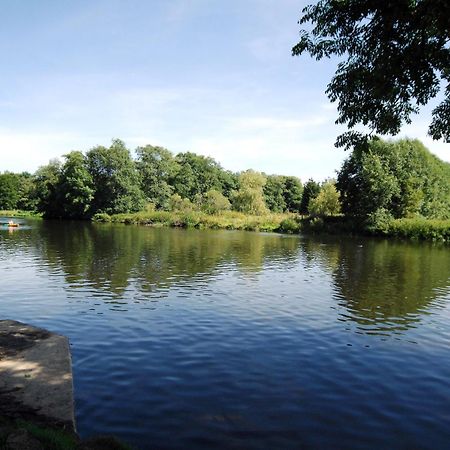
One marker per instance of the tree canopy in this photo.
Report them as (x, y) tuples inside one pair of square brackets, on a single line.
[(396, 58), (396, 179)]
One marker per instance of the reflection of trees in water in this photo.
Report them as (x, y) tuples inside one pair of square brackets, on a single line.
[(111, 257), (384, 285)]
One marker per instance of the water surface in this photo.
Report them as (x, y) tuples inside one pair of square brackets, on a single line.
[(222, 339)]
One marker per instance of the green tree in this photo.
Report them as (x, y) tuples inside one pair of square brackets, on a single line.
[(76, 186), (326, 203), (250, 197), (156, 166), (197, 174), (293, 191), (310, 191), (214, 202), (26, 201), (274, 193), (9, 190), (396, 57), (47, 182), (115, 178), (400, 179)]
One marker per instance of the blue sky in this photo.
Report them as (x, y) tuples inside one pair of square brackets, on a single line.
[(214, 77)]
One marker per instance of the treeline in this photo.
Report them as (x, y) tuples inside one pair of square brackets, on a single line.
[(107, 180), (383, 188)]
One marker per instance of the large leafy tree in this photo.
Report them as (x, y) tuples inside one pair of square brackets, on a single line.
[(156, 166), (396, 57), (250, 196), (398, 179), (47, 181), (197, 174), (293, 191), (115, 178), (310, 191), (273, 193), (9, 190), (76, 186)]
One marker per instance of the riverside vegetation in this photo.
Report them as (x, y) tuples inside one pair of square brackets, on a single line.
[(391, 188)]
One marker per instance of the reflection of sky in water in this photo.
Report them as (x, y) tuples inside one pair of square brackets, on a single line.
[(248, 338)]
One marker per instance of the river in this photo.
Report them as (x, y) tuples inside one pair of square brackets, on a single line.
[(224, 339)]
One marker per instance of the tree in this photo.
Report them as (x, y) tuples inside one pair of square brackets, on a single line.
[(197, 174), (156, 166), (293, 191), (214, 202), (9, 190), (250, 197), (397, 57), (76, 186), (273, 193), (115, 178), (46, 189), (310, 191), (397, 179), (326, 203)]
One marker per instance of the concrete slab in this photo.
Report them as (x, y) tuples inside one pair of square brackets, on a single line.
[(36, 374)]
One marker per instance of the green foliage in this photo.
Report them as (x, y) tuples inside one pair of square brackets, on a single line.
[(9, 190), (46, 189), (116, 179), (197, 175), (402, 178), (289, 225), (397, 58), (274, 193), (326, 203), (249, 198), (156, 166), (76, 186), (310, 191), (177, 203), (292, 193), (213, 202)]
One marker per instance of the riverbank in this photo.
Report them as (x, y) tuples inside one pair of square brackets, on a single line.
[(229, 220), (412, 229), (19, 213)]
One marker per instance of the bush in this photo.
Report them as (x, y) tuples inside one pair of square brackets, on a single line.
[(101, 217), (289, 226)]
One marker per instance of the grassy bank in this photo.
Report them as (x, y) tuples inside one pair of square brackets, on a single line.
[(19, 213), (413, 229), (229, 220)]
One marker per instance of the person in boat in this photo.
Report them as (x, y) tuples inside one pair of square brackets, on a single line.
[(12, 224)]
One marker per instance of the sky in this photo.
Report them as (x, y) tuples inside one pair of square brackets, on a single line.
[(210, 76)]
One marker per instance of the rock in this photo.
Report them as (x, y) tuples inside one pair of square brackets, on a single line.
[(22, 440)]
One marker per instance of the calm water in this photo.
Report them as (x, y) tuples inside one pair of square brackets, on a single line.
[(204, 339)]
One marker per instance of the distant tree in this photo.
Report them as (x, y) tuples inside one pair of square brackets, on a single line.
[(274, 193), (9, 190), (401, 179), (214, 202), (326, 203), (76, 186), (115, 178), (197, 174), (293, 191), (310, 191), (156, 167), (177, 203), (250, 197), (27, 201), (47, 181), (396, 58)]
